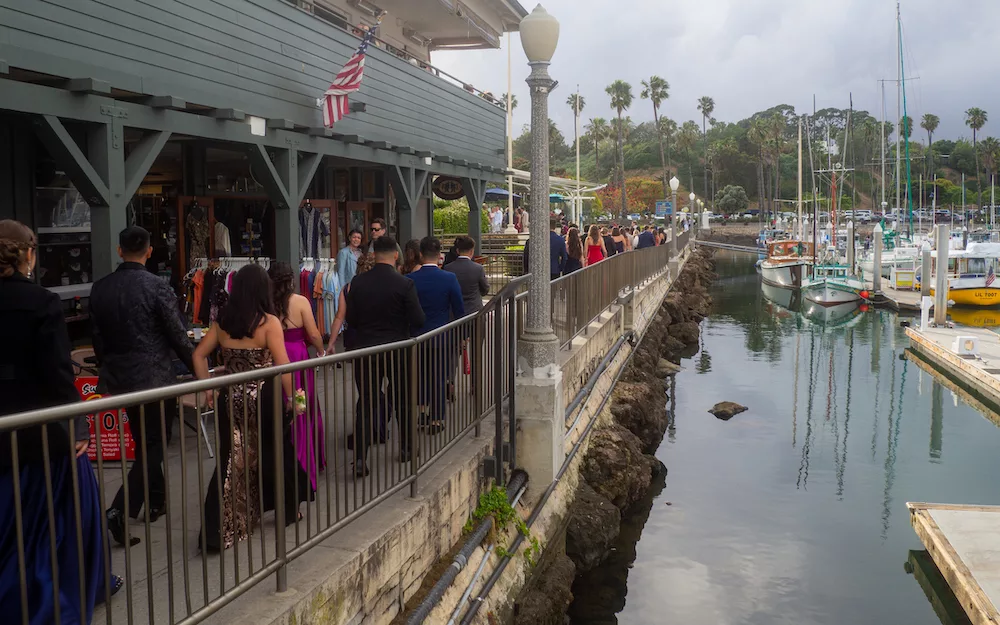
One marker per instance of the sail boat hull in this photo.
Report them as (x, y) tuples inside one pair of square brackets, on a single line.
[(785, 275), (832, 291)]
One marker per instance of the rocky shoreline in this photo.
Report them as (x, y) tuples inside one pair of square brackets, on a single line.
[(619, 467)]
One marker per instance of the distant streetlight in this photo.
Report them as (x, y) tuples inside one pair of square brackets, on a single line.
[(539, 37)]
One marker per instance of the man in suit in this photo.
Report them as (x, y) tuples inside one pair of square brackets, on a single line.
[(138, 331), (557, 250), (441, 299), (471, 275), (382, 307), (646, 239)]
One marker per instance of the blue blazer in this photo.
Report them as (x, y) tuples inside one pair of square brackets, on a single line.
[(646, 239), (440, 296)]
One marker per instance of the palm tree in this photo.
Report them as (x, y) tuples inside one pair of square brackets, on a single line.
[(907, 125), (597, 130), (621, 99), (687, 139), (757, 135), (707, 106), (930, 124), (513, 101), (775, 128), (989, 150), (975, 118), (576, 102), (668, 130), (656, 90)]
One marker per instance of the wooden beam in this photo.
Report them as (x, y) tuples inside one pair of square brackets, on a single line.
[(380, 145), (71, 158), (307, 169), (461, 162), (235, 115), (4, 68), (446, 159), (403, 149), (141, 158), (425, 154), (165, 102), (321, 131), (283, 124), (88, 86), (358, 139)]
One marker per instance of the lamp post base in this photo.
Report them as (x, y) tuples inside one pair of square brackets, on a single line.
[(536, 353)]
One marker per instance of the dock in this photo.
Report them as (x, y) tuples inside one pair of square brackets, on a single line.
[(979, 371), (964, 544)]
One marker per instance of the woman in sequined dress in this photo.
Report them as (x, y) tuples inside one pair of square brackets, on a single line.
[(250, 337)]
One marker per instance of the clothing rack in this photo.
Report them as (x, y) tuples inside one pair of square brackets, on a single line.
[(233, 263), (324, 264)]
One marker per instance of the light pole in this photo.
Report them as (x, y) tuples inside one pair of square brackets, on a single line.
[(538, 344), (674, 185), (693, 206)]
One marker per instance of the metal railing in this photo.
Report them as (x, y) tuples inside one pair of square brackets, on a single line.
[(219, 537), (503, 267)]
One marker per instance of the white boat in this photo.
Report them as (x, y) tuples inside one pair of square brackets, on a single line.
[(972, 274), (905, 256), (832, 316), (832, 285), (787, 263)]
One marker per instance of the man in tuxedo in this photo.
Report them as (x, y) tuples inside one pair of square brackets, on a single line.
[(441, 300), (137, 332), (472, 279), (382, 307), (646, 239)]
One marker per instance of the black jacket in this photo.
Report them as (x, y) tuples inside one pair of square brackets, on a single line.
[(35, 367), (137, 330), (382, 307), (472, 279)]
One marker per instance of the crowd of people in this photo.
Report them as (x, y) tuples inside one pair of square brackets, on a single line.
[(572, 249), (141, 342)]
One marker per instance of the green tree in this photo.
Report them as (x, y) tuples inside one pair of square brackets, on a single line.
[(989, 154), (621, 100), (732, 200), (906, 124), (687, 140), (930, 123), (576, 103), (656, 90), (707, 106), (597, 131), (975, 118)]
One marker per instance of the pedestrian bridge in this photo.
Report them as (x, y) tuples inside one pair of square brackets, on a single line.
[(364, 547)]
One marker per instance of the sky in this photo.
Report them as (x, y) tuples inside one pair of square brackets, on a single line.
[(750, 55)]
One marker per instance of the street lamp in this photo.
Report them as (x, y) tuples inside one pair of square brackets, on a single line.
[(674, 185), (538, 344)]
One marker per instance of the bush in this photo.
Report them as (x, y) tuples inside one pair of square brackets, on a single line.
[(454, 218)]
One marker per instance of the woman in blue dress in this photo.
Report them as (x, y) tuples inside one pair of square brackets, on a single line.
[(36, 372)]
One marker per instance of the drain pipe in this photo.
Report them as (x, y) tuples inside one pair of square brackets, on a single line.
[(477, 602), (515, 486), (595, 376)]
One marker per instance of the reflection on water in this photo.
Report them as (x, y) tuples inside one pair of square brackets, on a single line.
[(794, 512)]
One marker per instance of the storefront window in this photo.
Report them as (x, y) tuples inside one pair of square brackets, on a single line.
[(62, 221)]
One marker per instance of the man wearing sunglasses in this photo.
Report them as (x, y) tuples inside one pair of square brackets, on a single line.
[(379, 230)]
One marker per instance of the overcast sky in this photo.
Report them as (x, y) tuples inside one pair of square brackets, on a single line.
[(750, 55)]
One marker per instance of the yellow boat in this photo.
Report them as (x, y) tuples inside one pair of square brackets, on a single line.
[(972, 275), (975, 317)]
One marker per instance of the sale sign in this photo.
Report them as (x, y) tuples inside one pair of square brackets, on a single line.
[(105, 424)]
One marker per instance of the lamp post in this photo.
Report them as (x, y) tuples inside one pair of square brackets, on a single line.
[(538, 344)]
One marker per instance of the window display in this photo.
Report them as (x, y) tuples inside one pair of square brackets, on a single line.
[(62, 221)]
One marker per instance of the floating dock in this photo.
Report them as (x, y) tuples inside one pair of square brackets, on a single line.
[(964, 543), (979, 371)]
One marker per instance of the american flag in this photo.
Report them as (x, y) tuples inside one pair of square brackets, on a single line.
[(990, 277), (334, 102)]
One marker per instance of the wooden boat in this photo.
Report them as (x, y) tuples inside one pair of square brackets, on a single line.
[(972, 275), (832, 285), (787, 263)]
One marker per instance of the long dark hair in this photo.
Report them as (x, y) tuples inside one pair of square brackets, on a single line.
[(411, 256), (249, 303), (594, 234), (574, 246), (282, 288)]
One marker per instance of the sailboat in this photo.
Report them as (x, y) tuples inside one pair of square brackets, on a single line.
[(788, 260)]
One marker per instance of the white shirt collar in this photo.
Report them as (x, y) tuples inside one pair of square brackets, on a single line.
[(434, 265)]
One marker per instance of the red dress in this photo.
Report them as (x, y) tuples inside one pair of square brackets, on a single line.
[(594, 253)]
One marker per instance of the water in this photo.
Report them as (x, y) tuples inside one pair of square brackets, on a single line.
[(793, 512)]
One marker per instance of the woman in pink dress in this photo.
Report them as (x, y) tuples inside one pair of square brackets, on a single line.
[(300, 330)]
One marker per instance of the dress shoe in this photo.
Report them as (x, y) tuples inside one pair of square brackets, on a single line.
[(116, 525), (361, 469)]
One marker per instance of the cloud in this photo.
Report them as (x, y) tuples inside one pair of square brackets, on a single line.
[(750, 55)]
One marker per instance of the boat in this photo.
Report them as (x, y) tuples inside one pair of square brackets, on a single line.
[(832, 316), (972, 275), (784, 299), (787, 263), (832, 284)]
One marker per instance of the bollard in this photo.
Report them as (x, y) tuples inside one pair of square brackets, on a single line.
[(941, 279), (850, 247), (925, 273), (877, 259)]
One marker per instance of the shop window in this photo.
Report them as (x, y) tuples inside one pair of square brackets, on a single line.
[(62, 222)]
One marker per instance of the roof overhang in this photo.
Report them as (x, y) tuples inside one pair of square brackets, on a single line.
[(572, 189)]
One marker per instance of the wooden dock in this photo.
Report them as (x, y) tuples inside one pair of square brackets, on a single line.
[(980, 373), (964, 543)]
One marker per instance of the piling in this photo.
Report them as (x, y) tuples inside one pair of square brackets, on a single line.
[(877, 259), (941, 279), (925, 273), (850, 246)]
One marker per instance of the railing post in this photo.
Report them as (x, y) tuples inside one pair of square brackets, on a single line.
[(498, 397), (280, 547), (414, 417), (511, 312)]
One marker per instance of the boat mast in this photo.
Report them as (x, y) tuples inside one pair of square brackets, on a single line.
[(812, 170), (902, 86), (801, 230), (899, 103), (883, 142)]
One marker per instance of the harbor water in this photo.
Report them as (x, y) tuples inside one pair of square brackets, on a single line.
[(794, 511)]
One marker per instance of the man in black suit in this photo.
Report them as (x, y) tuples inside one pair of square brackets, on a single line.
[(382, 307), (137, 332), (475, 286), (646, 239)]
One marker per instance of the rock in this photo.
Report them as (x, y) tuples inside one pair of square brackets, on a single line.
[(594, 523), (616, 467), (548, 600), (641, 408), (686, 332), (665, 368), (726, 410)]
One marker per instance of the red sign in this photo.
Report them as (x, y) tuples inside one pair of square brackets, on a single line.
[(107, 424)]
